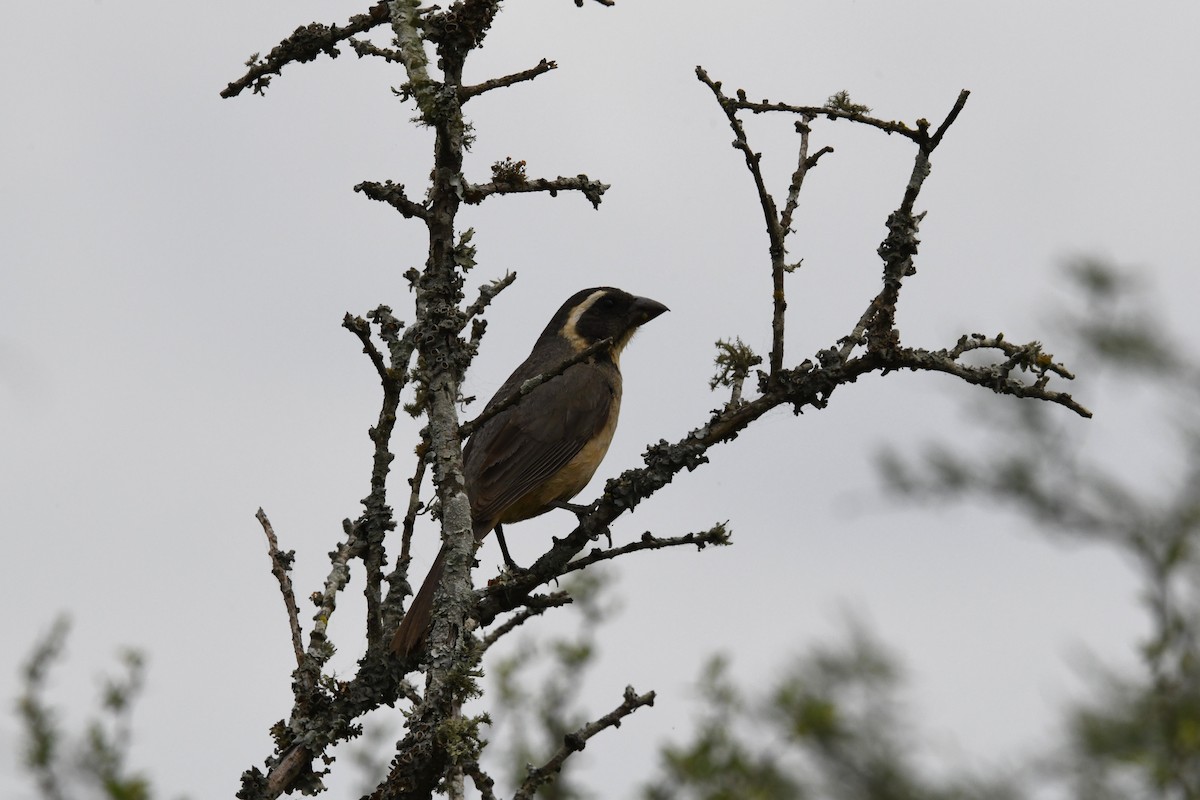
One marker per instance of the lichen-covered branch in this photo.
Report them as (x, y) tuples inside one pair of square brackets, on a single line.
[(1003, 376), (535, 606), (576, 740), (482, 781), (777, 230), (805, 162), (378, 519), (717, 536), (415, 505), (475, 193), (487, 293), (467, 92), (393, 195), (281, 564), (836, 108), (305, 44)]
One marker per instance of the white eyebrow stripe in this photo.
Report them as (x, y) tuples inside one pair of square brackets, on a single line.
[(568, 328)]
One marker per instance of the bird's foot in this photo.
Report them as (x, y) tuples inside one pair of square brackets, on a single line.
[(581, 511), (578, 509), (513, 567)]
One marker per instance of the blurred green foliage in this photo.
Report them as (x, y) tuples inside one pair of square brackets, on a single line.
[(93, 764)]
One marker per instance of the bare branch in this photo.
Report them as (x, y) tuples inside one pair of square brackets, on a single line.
[(393, 195), (290, 767), (575, 741), (535, 606), (829, 112), (305, 44), (482, 781), (776, 231), (377, 519), (718, 535), (475, 193), (326, 599), (281, 564), (953, 115), (793, 196), (400, 346), (365, 47), (362, 329), (543, 66), (414, 499), (487, 293), (1019, 358)]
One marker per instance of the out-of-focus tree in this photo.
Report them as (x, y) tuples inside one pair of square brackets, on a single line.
[(833, 726), (538, 687), (95, 763), (1138, 736)]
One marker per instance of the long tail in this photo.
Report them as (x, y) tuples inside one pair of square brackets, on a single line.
[(410, 636)]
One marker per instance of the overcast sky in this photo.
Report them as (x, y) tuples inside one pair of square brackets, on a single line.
[(175, 268)]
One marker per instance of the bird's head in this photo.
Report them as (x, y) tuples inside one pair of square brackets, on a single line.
[(601, 313)]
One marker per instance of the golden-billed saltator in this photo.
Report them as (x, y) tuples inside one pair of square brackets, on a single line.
[(541, 452)]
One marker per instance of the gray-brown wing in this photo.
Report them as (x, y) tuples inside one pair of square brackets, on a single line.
[(522, 447)]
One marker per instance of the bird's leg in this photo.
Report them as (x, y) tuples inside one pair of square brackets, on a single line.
[(512, 565), (581, 511), (577, 509)]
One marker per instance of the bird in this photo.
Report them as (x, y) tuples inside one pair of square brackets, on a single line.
[(536, 455)]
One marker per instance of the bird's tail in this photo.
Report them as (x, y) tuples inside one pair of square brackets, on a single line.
[(410, 636)]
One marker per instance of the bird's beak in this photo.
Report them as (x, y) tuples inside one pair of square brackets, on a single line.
[(644, 309)]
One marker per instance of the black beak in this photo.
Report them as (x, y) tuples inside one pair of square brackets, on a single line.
[(644, 309)]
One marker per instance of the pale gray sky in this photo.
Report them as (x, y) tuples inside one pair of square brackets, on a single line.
[(175, 268)]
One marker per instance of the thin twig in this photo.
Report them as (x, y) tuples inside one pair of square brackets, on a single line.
[(393, 194), (305, 44), (576, 740), (362, 329), (888, 126), (718, 535), (534, 606), (290, 766), (805, 162), (483, 782), (949, 120), (793, 195), (326, 599), (467, 92), (365, 47), (409, 692), (776, 232), (373, 525), (414, 498), (487, 293), (281, 564)]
